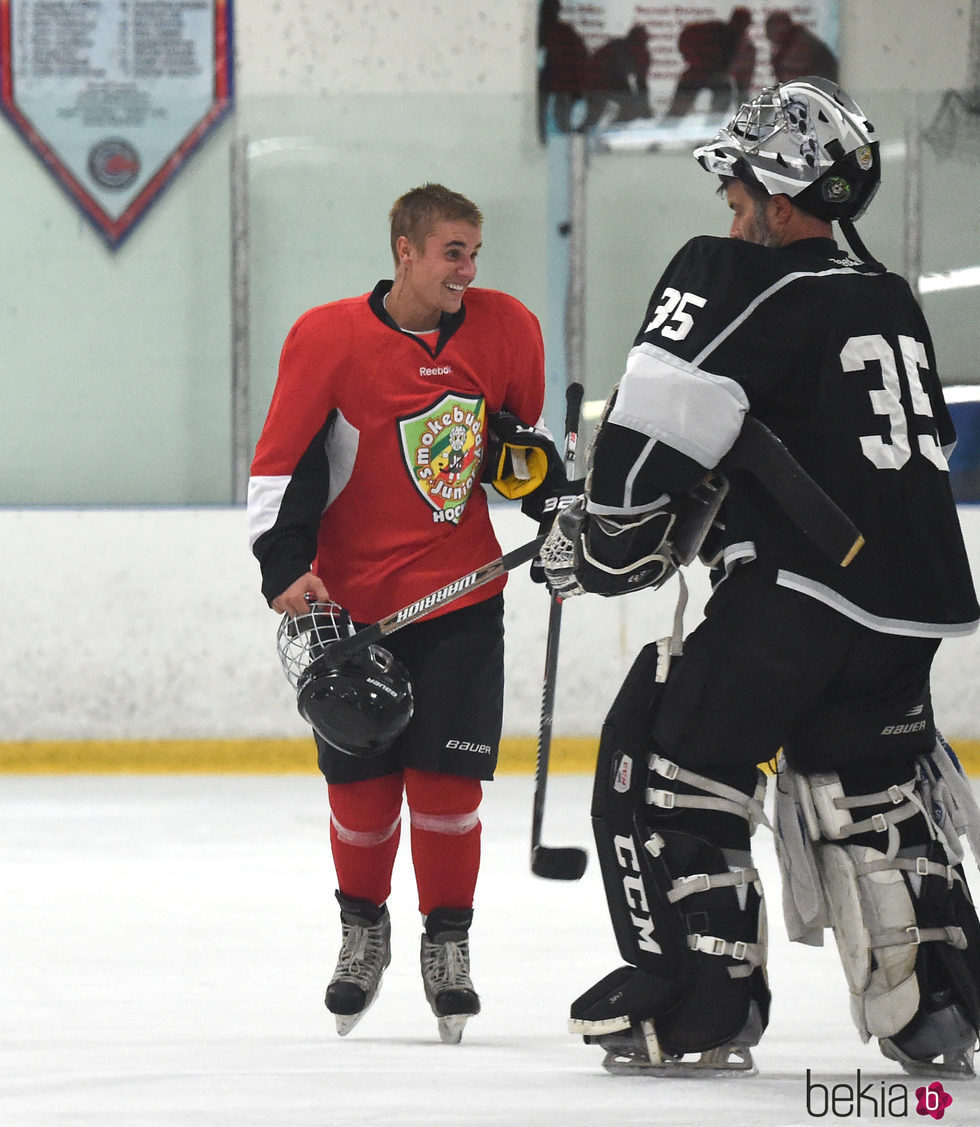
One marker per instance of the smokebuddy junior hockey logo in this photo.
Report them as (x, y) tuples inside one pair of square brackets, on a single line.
[(443, 450)]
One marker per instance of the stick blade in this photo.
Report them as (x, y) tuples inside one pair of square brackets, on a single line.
[(563, 863), (758, 451)]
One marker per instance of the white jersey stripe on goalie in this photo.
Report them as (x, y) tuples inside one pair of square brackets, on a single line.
[(659, 395), (883, 625), (760, 299)]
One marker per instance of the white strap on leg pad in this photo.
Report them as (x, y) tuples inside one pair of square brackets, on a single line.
[(714, 796), (804, 906), (859, 890), (862, 909)]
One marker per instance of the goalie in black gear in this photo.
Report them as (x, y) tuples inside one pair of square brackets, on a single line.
[(828, 664)]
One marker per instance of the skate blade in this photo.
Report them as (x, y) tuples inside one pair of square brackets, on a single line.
[(957, 1065), (451, 1028), (346, 1022), (726, 1061)]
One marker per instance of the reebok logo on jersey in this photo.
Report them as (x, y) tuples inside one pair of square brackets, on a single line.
[(444, 371)]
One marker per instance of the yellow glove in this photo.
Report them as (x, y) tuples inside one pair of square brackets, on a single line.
[(519, 457)]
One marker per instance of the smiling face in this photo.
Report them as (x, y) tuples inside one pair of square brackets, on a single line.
[(431, 280)]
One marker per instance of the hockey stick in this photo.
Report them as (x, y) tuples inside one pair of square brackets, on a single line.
[(554, 862), (759, 452), (370, 635)]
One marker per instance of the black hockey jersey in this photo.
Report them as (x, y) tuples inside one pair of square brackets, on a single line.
[(837, 360)]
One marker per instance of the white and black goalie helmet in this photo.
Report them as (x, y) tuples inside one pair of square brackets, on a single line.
[(805, 139), (359, 704)]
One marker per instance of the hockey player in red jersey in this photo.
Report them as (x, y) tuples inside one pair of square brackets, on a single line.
[(829, 664), (366, 492)]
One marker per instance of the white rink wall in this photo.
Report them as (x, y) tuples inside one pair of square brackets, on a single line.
[(136, 624)]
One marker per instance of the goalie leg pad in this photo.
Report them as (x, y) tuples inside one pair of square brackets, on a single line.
[(702, 828), (905, 925), (685, 902)]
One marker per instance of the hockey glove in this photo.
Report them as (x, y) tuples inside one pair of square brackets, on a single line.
[(698, 531), (560, 551), (519, 458), (550, 505), (608, 557)]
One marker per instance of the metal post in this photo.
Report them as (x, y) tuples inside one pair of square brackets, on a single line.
[(240, 420), (974, 63), (575, 300), (913, 200)]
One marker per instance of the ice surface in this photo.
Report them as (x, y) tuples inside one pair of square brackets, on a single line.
[(165, 944)]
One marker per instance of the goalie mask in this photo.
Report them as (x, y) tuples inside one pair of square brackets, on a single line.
[(359, 705), (805, 139)]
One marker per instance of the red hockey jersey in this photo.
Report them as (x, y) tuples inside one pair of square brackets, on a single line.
[(369, 461)]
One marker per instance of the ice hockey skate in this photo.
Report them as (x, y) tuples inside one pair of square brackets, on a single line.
[(938, 1045), (956, 1064), (365, 952), (445, 959)]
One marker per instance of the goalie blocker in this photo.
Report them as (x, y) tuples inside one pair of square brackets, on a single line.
[(587, 552), (616, 554)]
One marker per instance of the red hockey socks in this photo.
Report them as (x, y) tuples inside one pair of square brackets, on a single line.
[(365, 827), (445, 837)]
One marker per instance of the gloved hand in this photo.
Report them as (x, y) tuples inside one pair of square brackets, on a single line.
[(551, 498), (550, 506), (557, 559), (519, 458), (607, 556)]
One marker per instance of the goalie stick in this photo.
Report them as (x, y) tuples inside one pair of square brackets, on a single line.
[(554, 862), (759, 452)]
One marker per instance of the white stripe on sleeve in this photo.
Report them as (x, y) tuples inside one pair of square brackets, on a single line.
[(674, 402), (264, 499)]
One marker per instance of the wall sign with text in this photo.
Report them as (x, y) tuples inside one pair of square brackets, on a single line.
[(643, 75), (114, 95)]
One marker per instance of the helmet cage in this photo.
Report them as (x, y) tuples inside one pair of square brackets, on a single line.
[(303, 639)]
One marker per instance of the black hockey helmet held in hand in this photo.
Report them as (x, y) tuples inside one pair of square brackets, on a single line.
[(360, 704)]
